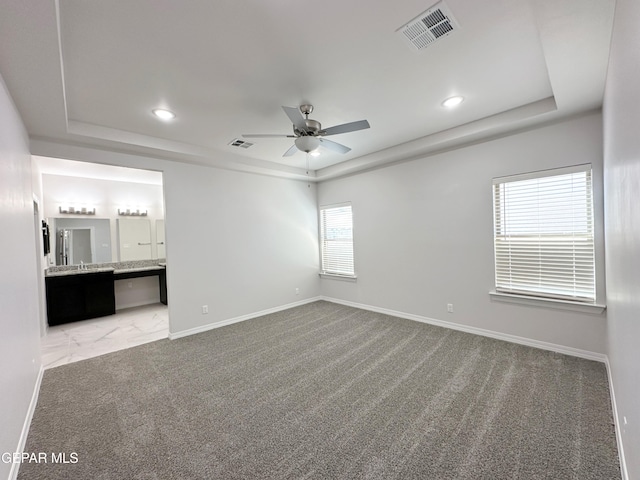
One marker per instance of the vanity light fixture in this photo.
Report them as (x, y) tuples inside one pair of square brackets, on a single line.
[(77, 210), (163, 114), (453, 101), (132, 212)]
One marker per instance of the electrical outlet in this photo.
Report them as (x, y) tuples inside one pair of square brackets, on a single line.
[(297, 291), (450, 307), (205, 309), (130, 284)]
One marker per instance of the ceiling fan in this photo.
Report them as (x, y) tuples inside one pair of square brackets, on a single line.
[(309, 133)]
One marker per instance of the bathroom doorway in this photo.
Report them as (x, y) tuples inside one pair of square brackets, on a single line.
[(84, 204)]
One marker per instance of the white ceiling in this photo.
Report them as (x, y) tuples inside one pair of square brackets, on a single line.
[(90, 72), (72, 168)]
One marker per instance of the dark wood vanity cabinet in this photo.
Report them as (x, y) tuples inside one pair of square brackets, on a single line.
[(79, 296)]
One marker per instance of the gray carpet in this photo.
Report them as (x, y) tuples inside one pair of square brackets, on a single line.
[(326, 391)]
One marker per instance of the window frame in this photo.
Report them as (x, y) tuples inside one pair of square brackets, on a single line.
[(321, 235), (538, 296)]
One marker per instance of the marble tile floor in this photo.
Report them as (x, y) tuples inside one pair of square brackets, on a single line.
[(129, 327)]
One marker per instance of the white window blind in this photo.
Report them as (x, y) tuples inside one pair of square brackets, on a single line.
[(336, 240), (543, 232)]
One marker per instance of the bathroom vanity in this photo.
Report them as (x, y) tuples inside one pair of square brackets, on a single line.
[(79, 294)]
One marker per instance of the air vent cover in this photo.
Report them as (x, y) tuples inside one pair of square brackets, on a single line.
[(236, 142), (428, 27)]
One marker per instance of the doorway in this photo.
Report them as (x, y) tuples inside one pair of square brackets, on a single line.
[(109, 193), (75, 246), (41, 248)]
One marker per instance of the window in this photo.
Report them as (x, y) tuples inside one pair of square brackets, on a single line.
[(336, 240), (543, 234)]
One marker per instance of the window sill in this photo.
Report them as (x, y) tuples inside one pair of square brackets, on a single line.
[(335, 276), (592, 308)]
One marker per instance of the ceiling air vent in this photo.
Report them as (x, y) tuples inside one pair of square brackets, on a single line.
[(240, 143), (426, 28)]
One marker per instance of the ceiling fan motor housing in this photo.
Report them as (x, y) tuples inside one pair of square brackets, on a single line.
[(313, 128)]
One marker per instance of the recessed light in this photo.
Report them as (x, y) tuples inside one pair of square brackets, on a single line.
[(163, 114), (315, 153), (452, 101)]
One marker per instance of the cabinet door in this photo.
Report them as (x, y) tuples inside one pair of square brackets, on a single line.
[(134, 236), (79, 297), (65, 300), (100, 298)]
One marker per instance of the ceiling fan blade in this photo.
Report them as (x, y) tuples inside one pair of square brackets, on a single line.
[(346, 127), (291, 151), (266, 135), (296, 118), (334, 146)]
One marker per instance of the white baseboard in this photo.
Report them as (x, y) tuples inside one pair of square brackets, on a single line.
[(143, 303), (13, 473), (616, 419), (242, 318), (575, 352)]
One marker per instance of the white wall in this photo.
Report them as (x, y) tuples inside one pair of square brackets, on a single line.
[(19, 321), (423, 234), (107, 196), (240, 243), (622, 228)]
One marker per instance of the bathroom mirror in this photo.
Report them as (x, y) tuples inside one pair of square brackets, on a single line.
[(89, 240), (81, 240)]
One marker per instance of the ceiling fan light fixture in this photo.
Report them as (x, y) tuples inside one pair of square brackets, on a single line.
[(163, 114), (453, 101), (307, 144), (309, 134)]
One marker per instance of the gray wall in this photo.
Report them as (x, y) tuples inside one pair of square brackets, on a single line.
[(423, 234), (19, 317), (622, 228)]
